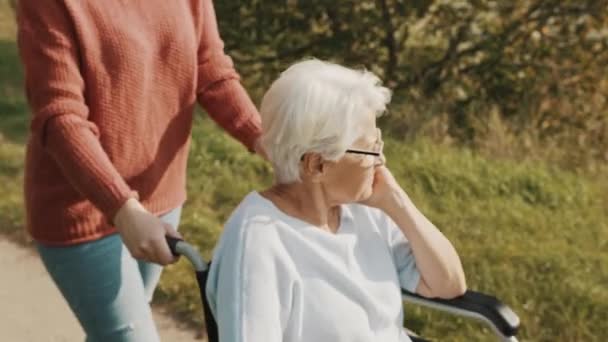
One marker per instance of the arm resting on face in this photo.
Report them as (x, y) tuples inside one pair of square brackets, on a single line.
[(441, 273)]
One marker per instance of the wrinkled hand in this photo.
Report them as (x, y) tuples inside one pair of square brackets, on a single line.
[(144, 234), (386, 192)]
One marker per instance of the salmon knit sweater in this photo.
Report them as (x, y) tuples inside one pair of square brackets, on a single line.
[(112, 86)]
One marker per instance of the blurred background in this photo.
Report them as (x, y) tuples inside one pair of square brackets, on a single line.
[(498, 130)]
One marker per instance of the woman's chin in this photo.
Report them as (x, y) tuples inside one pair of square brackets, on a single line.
[(365, 194), (362, 194)]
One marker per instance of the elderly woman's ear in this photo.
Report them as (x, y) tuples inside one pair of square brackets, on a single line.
[(312, 166)]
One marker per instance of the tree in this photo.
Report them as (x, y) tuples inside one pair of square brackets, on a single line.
[(539, 64)]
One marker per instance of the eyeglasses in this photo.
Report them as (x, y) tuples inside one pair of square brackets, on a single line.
[(377, 149), (369, 153)]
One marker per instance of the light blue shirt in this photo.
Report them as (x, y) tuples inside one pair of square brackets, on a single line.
[(277, 278)]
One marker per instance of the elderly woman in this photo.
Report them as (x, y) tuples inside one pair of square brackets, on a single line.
[(323, 253)]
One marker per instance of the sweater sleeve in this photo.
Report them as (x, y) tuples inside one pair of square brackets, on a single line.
[(55, 92), (219, 89), (249, 288)]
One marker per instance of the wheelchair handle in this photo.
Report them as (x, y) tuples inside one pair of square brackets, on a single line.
[(180, 247)]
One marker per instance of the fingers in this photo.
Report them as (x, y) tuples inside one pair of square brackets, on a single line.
[(382, 159), (154, 247), (162, 254), (144, 235), (171, 231)]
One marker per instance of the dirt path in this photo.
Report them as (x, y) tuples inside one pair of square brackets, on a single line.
[(32, 309)]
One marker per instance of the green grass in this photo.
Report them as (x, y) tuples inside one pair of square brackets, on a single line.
[(533, 235)]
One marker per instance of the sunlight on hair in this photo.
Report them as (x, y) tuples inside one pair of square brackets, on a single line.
[(317, 106)]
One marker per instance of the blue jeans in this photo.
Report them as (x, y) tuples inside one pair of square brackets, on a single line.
[(108, 290)]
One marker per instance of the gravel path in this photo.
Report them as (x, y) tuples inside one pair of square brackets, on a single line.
[(32, 309)]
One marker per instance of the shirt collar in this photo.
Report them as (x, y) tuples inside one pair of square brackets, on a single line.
[(347, 213)]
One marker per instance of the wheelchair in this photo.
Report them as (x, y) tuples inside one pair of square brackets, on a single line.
[(475, 305)]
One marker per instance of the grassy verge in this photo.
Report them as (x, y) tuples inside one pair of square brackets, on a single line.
[(534, 235), (13, 118)]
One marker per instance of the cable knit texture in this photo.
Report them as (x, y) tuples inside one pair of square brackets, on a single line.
[(112, 86)]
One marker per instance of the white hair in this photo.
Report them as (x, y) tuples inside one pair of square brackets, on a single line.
[(316, 106)]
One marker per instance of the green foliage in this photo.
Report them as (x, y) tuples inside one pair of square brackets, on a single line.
[(530, 232), (11, 179), (537, 66)]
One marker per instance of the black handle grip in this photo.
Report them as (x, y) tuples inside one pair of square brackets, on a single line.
[(503, 318), (172, 242)]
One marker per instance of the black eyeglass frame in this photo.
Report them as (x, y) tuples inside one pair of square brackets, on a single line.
[(355, 151), (369, 153)]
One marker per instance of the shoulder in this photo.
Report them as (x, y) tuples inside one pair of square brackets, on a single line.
[(252, 224), (253, 213)]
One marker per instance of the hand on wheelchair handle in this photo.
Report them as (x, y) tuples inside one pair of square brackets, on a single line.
[(144, 234), (172, 242)]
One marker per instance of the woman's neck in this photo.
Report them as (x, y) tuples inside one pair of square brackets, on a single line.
[(308, 203)]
